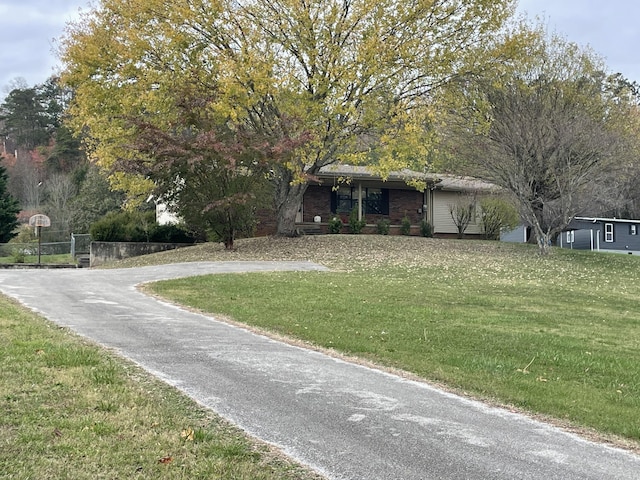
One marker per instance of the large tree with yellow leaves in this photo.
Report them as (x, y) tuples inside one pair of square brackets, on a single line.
[(354, 78)]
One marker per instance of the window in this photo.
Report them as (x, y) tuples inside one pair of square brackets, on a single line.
[(345, 201), (374, 200), (608, 232), (633, 229)]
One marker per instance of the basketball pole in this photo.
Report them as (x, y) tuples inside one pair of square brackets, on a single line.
[(39, 241)]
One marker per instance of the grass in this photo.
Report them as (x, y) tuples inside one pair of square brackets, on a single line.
[(69, 410), (555, 336), (62, 258)]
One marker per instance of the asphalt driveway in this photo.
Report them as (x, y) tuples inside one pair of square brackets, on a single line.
[(344, 420)]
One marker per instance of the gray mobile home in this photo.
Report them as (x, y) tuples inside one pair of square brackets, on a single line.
[(602, 234)]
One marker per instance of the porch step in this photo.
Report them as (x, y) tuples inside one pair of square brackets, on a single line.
[(83, 261), (311, 229)]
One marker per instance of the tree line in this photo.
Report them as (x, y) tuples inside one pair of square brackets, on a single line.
[(44, 166), (219, 108)]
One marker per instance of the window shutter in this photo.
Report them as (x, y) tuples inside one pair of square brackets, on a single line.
[(334, 201), (385, 201)]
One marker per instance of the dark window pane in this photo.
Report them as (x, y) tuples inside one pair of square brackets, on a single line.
[(344, 200)]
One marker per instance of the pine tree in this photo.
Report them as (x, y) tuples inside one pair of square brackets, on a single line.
[(9, 209)]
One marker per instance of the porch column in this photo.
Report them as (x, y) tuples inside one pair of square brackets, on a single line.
[(430, 218), (425, 204), (359, 201)]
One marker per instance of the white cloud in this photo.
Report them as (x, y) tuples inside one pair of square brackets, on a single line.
[(27, 37)]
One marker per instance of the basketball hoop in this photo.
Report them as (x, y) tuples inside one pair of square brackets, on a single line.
[(38, 221)]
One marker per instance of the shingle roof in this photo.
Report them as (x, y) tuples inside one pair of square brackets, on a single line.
[(434, 180)]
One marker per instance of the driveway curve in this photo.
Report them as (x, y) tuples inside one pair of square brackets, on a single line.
[(344, 420)]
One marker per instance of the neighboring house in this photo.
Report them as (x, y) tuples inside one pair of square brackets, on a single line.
[(341, 188), (164, 216), (520, 234), (602, 234)]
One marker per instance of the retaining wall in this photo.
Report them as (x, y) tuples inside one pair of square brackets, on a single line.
[(103, 252)]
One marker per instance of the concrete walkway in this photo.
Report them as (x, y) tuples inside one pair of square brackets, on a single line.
[(344, 420)]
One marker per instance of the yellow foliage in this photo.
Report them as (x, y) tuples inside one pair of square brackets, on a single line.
[(355, 78)]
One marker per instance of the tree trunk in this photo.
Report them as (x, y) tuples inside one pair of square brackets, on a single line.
[(289, 195), (544, 245), (542, 238), (540, 233), (229, 239)]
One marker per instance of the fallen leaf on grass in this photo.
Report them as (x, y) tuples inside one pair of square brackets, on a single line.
[(187, 434), (166, 460), (525, 369)]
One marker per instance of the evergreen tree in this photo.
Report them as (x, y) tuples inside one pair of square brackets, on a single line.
[(9, 210), (25, 119), (32, 115)]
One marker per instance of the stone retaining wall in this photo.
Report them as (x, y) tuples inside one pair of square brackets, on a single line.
[(103, 252)]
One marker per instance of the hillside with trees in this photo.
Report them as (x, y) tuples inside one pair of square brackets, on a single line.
[(47, 169)]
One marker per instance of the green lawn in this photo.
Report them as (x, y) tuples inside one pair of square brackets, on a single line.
[(556, 336), (69, 410), (63, 258)]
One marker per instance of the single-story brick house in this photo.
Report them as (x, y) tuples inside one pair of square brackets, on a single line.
[(341, 188), (602, 234)]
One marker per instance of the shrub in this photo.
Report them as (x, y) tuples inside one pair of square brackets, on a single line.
[(335, 225), (22, 244), (496, 215), (24, 234), (172, 234), (463, 212), (137, 227), (18, 255), (425, 229), (110, 228), (356, 225), (383, 226), (405, 226)]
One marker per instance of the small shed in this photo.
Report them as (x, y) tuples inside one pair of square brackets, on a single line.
[(602, 234)]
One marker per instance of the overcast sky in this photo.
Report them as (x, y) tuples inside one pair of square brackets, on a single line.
[(28, 29), (610, 27)]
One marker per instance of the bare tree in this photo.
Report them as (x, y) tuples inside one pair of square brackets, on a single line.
[(60, 191), (463, 212), (544, 134), (545, 149), (25, 181)]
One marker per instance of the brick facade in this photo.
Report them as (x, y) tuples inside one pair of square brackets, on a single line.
[(405, 202), (317, 201)]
